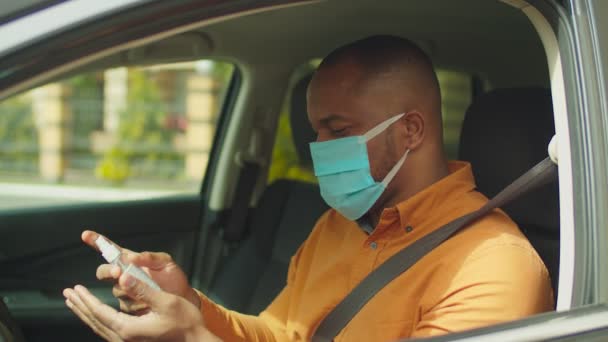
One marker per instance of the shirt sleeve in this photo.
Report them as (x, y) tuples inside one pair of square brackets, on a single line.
[(502, 283), (269, 326)]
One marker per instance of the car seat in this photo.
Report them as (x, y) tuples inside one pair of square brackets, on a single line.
[(283, 218), (504, 133)]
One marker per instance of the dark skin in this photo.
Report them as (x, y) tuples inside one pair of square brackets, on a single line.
[(345, 100)]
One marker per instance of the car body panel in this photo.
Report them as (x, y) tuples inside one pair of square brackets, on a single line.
[(42, 253), (33, 246)]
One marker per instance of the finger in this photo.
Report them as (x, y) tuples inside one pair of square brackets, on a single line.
[(134, 308), (89, 237), (77, 306), (75, 309), (127, 304), (73, 297), (108, 272), (141, 292), (83, 317), (151, 260), (119, 293), (106, 315)]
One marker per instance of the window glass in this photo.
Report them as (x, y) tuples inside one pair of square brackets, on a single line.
[(456, 94), (116, 134), (286, 163)]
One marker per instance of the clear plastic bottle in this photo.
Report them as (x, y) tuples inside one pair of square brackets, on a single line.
[(113, 256)]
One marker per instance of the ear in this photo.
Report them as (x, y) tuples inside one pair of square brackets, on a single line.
[(414, 125)]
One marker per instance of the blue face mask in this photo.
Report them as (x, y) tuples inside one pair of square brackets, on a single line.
[(345, 179)]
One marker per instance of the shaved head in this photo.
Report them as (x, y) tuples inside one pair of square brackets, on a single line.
[(393, 61), (363, 83)]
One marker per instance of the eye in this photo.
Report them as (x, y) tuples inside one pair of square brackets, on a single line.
[(338, 131)]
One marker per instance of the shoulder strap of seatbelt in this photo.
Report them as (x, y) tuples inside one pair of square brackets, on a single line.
[(338, 318), (235, 228)]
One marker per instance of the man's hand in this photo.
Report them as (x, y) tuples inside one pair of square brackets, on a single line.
[(161, 268), (170, 318)]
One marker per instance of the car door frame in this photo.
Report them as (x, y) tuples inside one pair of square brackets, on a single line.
[(576, 35), (583, 49)]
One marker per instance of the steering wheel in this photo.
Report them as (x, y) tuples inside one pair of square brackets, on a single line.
[(9, 330)]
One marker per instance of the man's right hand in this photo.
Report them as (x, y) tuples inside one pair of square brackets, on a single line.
[(159, 266)]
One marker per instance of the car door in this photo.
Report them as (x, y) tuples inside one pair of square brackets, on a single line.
[(581, 41), (134, 184), (121, 147), (39, 240)]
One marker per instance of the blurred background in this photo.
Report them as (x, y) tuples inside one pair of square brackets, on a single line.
[(147, 128), (142, 132)]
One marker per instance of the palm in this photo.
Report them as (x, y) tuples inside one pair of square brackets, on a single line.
[(171, 321)]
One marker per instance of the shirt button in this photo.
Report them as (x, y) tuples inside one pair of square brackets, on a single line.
[(373, 245), (409, 229)]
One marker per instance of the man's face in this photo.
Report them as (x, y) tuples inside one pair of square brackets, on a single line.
[(343, 102)]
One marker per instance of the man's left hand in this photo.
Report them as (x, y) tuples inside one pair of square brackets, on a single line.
[(171, 318)]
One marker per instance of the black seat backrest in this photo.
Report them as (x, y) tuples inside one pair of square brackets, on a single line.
[(505, 132), (286, 213)]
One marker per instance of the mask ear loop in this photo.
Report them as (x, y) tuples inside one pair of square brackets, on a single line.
[(391, 174), (372, 133)]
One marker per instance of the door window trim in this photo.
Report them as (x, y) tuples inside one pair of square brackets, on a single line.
[(20, 32), (560, 113)]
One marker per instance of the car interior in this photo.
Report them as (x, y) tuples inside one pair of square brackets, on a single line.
[(505, 131)]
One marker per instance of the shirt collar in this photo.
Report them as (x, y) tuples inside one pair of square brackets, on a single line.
[(460, 180), (415, 209)]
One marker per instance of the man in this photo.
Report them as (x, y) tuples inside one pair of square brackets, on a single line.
[(375, 105)]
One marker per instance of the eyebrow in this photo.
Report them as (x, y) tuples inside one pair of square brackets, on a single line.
[(331, 117)]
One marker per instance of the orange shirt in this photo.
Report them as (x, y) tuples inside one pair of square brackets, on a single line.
[(485, 274)]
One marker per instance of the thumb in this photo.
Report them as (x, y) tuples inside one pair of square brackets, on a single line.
[(151, 260), (140, 291)]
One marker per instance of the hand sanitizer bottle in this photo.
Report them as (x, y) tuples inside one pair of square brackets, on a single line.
[(113, 256)]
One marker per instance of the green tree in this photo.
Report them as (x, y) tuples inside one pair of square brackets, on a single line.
[(18, 136), (285, 162), (144, 142)]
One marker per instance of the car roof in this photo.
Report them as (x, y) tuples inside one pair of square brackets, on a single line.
[(489, 39)]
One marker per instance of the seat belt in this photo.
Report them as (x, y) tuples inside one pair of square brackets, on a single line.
[(235, 227), (333, 323)]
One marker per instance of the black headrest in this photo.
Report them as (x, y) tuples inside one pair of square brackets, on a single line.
[(505, 132), (303, 133)]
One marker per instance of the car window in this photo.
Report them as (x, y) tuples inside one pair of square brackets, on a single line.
[(115, 134), (286, 163), (456, 95)]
